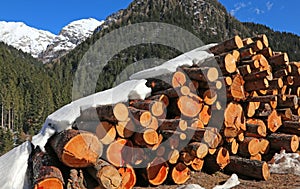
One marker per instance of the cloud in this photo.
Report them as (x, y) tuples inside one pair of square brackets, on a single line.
[(237, 7), (258, 11), (269, 5)]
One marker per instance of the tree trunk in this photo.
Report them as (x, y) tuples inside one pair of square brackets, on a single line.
[(218, 161), (45, 171), (228, 45), (279, 141), (249, 147), (206, 74), (249, 168)]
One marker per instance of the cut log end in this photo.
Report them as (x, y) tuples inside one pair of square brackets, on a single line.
[(109, 177), (189, 107), (180, 173), (128, 177), (82, 150), (121, 112), (157, 171), (49, 183)]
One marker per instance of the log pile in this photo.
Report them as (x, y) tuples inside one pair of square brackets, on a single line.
[(230, 113)]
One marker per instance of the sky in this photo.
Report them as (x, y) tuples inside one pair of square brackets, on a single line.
[(281, 15), (53, 15)]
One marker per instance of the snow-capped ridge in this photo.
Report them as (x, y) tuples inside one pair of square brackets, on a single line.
[(25, 38), (44, 44)]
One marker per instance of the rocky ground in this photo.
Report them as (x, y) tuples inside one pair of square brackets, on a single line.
[(208, 181)]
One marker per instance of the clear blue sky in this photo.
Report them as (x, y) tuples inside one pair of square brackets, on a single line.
[(282, 15), (53, 15)]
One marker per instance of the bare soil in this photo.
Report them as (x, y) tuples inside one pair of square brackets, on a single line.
[(276, 181)]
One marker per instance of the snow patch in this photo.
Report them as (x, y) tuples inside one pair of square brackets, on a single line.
[(285, 163), (191, 186), (230, 183), (13, 167)]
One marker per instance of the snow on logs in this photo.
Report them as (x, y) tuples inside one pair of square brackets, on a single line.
[(232, 118)]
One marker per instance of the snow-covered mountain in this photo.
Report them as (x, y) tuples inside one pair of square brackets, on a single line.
[(69, 37), (25, 38), (43, 44)]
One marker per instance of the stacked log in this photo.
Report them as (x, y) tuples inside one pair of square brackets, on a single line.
[(229, 113)]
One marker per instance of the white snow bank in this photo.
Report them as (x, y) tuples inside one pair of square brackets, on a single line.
[(65, 117), (191, 186), (13, 167), (286, 163), (170, 66), (230, 183)]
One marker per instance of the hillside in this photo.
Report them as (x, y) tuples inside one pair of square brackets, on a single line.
[(25, 96), (208, 20)]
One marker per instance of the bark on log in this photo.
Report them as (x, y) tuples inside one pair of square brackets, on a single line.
[(197, 149), (249, 168), (267, 52), (206, 74), (290, 127), (77, 148), (228, 45), (172, 124), (255, 128), (45, 171), (255, 46), (218, 161), (258, 75), (254, 85), (279, 141), (249, 147), (263, 38), (280, 60)]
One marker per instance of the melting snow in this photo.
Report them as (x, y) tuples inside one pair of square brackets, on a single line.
[(285, 163)]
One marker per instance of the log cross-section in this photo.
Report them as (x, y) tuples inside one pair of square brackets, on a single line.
[(77, 149)]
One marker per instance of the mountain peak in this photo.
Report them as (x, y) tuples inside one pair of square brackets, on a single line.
[(25, 38), (44, 44)]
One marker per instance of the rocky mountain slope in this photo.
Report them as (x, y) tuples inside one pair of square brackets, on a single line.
[(43, 44)]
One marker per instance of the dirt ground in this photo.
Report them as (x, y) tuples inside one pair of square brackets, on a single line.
[(207, 181)]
